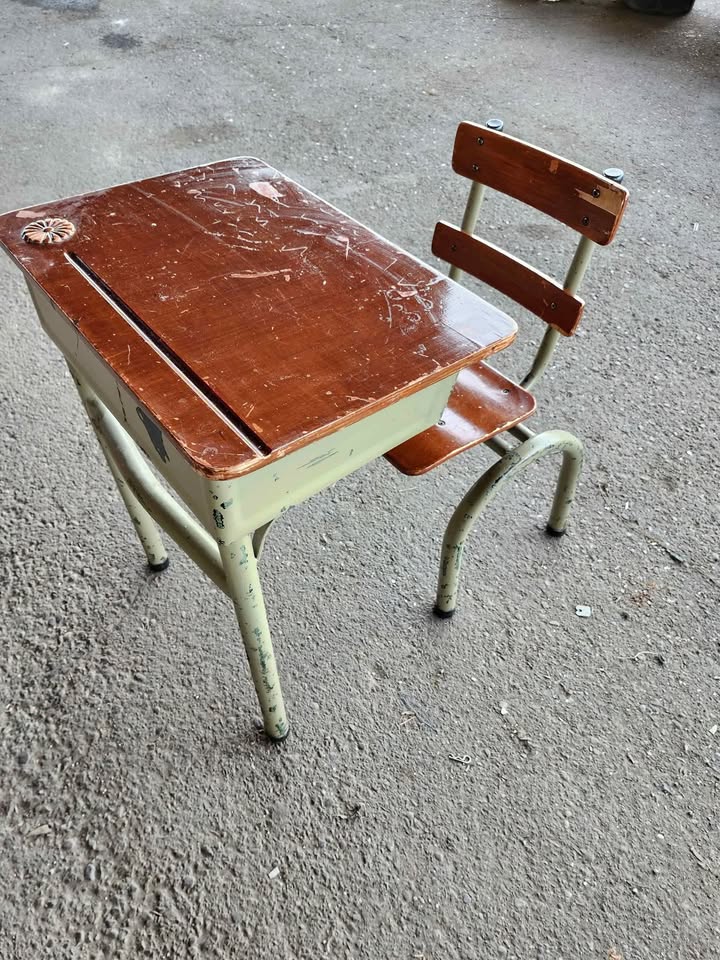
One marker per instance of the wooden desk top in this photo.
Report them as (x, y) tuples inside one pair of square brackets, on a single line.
[(249, 316)]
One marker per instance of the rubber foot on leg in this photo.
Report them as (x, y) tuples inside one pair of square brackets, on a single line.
[(281, 739), (442, 614), (552, 532), (157, 567)]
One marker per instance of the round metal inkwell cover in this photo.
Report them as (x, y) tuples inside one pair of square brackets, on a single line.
[(49, 230)]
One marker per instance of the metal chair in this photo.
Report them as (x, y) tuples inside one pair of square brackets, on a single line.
[(484, 404)]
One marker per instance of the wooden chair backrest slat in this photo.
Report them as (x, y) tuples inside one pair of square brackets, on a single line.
[(533, 290), (580, 198)]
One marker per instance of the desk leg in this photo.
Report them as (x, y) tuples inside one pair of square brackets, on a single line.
[(144, 524), (240, 564)]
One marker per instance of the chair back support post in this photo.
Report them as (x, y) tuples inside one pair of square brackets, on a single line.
[(573, 279), (580, 263), (474, 202), (542, 358), (470, 218), (472, 207)]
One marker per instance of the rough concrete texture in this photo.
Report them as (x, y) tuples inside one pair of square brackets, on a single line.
[(142, 813)]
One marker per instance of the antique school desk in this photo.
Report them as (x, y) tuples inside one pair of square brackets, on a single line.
[(256, 343)]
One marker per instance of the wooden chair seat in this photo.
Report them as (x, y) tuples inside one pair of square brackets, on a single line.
[(483, 403)]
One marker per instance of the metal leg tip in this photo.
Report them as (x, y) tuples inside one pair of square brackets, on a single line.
[(157, 567), (281, 739), (552, 532), (442, 614)]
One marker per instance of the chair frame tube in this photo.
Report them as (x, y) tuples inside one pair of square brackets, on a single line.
[(512, 464), (573, 279), (475, 198)]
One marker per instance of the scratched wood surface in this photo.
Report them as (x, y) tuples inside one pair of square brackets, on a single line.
[(574, 195), (483, 403), (248, 315), (533, 290)]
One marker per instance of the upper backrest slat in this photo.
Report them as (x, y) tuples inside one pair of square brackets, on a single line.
[(574, 195), (522, 283)]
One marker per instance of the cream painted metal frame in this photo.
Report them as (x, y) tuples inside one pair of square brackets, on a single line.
[(224, 529)]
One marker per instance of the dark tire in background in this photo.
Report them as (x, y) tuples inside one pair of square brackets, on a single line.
[(668, 8)]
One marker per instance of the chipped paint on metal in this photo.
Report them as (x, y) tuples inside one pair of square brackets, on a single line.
[(246, 593), (316, 461)]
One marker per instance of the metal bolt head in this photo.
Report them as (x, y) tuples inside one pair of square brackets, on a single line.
[(475, 168), (596, 192), (553, 306), (614, 173), (585, 221)]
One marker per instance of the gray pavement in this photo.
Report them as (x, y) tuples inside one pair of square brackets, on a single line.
[(141, 813)]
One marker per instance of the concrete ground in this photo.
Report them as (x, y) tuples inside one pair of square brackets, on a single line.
[(142, 813)]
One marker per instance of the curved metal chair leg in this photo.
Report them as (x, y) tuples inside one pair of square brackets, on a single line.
[(479, 496)]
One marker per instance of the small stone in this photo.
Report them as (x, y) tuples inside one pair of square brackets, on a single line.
[(274, 873), (674, 556), (504, 708), (40, 831), (582, 611), (714, 729), (23, 757), (90, 872)]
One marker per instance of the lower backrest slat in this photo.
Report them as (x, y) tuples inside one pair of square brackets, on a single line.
[(527, 286)]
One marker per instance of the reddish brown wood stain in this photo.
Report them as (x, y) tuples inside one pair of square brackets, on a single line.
[(292, 317), (483, 403), (566, 191), (542, 295)]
